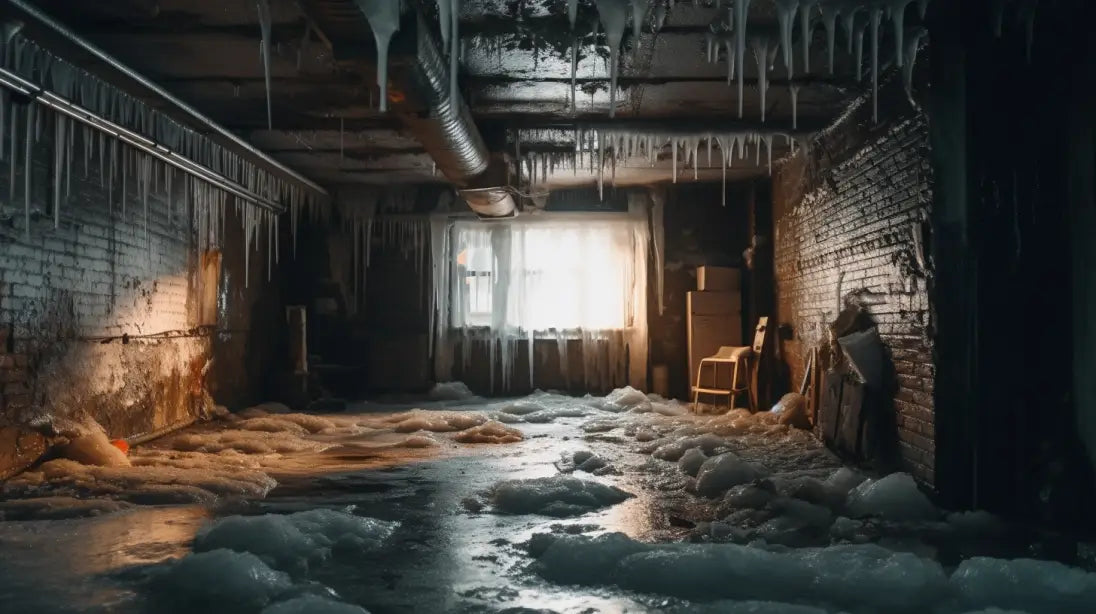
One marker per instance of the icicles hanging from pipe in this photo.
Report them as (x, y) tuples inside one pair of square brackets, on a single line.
[(793, 89), (897, 10), (444, 23), (829, 20), (59, 140), (28, 155), (264, 26), (384, 19), (760, 46)]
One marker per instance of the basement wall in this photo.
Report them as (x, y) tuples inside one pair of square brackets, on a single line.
[(845, 213), (66, 291)]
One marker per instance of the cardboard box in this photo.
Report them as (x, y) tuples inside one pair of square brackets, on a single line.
[(713, 303), (717, 278)]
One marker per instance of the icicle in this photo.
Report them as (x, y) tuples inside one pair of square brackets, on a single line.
[(58, 167), (639, 13), (898, 18), (660, 16), (1027, 15), (696, 158), (769, 149), (342, 141), (922, 8), (861, 26), (848, 18), (673, 147), (730, 61), (913, 42), (3, 119), (876, 17), (264, 26), (125, 183), (444, 20), (12, 136), (572, 11), (794, 90), (614, 16), (806, 31), (761, 52), (829, 19), (574, 72), (384, 19), (786, 10), (741, 8), (455, 52), (28, 156)]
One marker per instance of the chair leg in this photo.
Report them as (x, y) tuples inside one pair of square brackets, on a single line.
[(734, 385), (696, 387)]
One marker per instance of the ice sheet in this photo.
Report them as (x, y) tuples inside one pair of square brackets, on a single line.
[(554, 496)]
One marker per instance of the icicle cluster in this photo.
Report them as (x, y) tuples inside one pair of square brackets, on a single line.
[(122, 167), (596, 150)]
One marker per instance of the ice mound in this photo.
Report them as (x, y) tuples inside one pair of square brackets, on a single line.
[(57, 508), (864, 578), (201, 483), (419, 441), (221, 581), (92, 447), (894, 497), (264, 409), (1026, 585), (691, 461), (673, 451), (667, 407), (489, 432), (843, 480), (584, 460), (626, 399), (545, 416), (746, 607), (720, 473), (542, 408), (313, 604), (558, 496), (450, 391), (245, 442), (437, 422), (292, 541), (287, 423)]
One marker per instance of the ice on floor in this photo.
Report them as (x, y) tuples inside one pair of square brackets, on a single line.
[(745, 607), (542, 408), (691, 461), (558, 496), (489, 432), (292, 542), (156, 484), (625, 399), (436, 421), (894, 497), (287, 423), (450, 391), (58, 508), (312, 604), (245, 442), (264, 409), (674, 450), (720, 473), (1024, 584), (219, 581), (93, 447), (858, 577), (584, 460)]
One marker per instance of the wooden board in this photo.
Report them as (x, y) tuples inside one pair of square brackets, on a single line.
[(713, 303)]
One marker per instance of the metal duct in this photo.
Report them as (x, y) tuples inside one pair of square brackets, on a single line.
[(443, 126), (448, 133), (490, 203)]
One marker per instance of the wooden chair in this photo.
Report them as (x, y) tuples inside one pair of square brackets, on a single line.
[(739, 359)]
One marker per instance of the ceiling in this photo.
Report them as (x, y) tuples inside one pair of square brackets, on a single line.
[(515, 76)]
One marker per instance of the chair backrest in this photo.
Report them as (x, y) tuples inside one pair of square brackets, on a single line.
[(759, 334)]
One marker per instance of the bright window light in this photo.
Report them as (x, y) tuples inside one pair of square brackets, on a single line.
[(543, 276)]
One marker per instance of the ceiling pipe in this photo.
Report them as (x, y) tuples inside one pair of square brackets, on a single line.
[(192, 116)]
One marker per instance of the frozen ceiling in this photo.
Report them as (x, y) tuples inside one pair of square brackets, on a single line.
[(514, 74)]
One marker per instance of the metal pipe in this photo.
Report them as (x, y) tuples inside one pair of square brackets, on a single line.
[(45, 97), (229, 140)]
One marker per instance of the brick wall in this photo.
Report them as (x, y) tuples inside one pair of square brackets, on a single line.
[(97, 275), (846, 211)]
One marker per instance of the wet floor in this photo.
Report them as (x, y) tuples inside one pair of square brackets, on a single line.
[(453, 549)]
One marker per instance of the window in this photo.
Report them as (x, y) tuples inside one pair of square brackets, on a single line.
[(544, 275)]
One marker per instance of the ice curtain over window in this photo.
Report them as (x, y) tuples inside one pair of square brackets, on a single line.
[(553, 277)]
